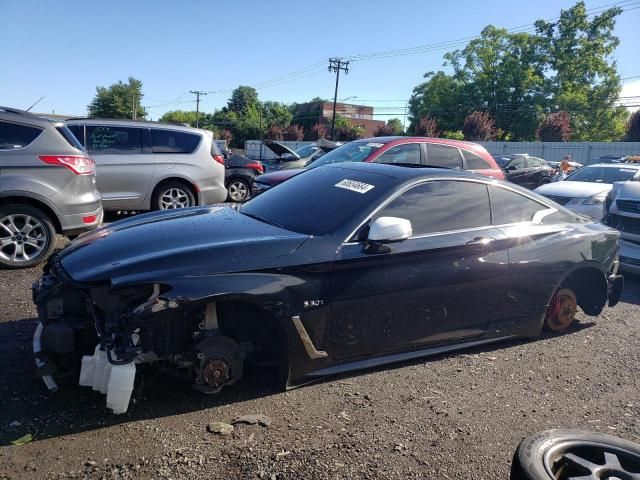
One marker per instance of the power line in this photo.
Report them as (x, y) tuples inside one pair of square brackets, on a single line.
[(336, 65)]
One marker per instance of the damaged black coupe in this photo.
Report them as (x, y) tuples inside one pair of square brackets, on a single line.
[(340, 268)]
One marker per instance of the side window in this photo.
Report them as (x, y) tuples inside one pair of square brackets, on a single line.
[(443, 156), (114, 139), (173, 141), (407, 153), (511, 207), (14, 136), (518, 163), (441, 206), (475, 162), (78, 132), (533, 162)]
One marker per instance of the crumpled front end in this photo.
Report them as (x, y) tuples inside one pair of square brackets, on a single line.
[(103, 335)]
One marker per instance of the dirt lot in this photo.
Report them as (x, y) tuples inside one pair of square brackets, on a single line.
[(457, 416)]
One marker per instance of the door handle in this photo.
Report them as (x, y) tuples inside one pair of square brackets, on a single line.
[(480, 242)]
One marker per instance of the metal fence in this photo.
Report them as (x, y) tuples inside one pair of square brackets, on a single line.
[(553, 151)]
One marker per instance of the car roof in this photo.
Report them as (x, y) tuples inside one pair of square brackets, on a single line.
[(22, 116), (446, 141), (615, 165), (132, 123), (404, 172)]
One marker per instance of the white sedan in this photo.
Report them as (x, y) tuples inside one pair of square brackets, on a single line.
[(585, 190)]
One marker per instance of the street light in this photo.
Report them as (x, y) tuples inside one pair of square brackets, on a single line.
[(348, 98)]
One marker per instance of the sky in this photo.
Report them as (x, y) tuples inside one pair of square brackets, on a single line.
[(61, 50)]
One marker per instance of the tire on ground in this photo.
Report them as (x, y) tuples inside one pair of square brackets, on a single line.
[(238, 181), (168, 185), (46, 233)]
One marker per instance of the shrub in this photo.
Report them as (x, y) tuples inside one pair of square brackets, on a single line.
[(274, 132), (318, 131), (427, 127), (384, 131), (633, 127), (556, 127), (294, 133), (478, 126)]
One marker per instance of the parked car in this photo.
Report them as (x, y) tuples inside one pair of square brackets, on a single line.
[(152, 166), (623, 214), (527, 171), (370, 268), (300, 158), (438, 152), (605, 159), (47, 186), (585, 190), (240, 172)]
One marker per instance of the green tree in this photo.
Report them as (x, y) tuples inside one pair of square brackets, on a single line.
[(438, 97), (181, 116), (396, 126), (276, 113), (120, 100), (633, 127), (242, 99), (584, 80)]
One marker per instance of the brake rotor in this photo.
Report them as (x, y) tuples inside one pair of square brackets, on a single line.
[(562, 310), (216, 372)]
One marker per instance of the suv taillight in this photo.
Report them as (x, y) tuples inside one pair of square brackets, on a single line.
[(219, 159), (77, 164)]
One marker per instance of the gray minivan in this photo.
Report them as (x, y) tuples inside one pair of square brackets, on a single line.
[(144, 165), (47, 186)]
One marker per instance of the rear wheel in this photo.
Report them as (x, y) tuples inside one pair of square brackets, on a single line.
[(562, 310), (238, 190), (172, 195), (27, 236)]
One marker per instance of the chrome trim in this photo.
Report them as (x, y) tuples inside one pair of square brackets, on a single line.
[(306, 340)]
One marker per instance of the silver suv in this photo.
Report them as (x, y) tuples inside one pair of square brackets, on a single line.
[(47, 186), (623, 213), (151, 166)]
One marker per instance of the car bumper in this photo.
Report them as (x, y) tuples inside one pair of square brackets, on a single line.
[(629, 257), (212, 194), (89, 218)]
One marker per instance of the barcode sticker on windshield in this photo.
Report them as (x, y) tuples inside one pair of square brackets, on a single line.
[(354, 185)]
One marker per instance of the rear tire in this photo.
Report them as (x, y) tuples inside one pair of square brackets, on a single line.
[(27, 236), (238, 189), (171, 195)]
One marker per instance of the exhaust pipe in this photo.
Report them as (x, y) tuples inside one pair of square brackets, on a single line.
[(37, 348)]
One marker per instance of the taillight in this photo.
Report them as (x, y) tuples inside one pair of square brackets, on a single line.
[(89, 219), (219, 159), (77, 164), (256, 166)]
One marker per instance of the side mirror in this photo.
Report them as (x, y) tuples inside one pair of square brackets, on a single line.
[(389, 229), (511, 168), (225, 154)]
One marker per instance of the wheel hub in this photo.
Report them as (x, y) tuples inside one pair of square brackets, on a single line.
[(22, 238)]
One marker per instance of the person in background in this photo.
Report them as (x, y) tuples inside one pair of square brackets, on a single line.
[(563, 172)]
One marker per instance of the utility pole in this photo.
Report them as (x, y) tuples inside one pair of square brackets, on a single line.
[(197, 94), (335, 65), (133, 104)]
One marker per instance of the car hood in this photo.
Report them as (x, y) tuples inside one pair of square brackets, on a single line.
[(571, 189), (274, 178), (279, 149), (626, 190), (165, 245)]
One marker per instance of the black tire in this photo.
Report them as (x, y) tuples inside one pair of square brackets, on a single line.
[(24, 250), (546, 456), (157, 202), (243, 190)]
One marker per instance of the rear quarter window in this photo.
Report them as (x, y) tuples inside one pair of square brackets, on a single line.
[(475, 161), (13, 135), (443, 156), (511, 207), (173, 141)]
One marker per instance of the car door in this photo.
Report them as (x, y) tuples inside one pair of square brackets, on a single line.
[(406, 153), (444, 156), (437, 286), (124, 164), (516, 171)]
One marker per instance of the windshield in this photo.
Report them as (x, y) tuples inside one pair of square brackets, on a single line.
[(350, 152), (502, 161), (306, 150), (318, 201), (602, 174)]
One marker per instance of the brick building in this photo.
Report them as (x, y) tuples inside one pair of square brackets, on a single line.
[(308, 114)]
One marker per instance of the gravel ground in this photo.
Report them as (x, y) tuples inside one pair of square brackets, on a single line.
[(456, 416)]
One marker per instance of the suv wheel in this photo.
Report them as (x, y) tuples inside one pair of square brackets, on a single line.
[(173, 195), (27, 236), (238, 190)]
